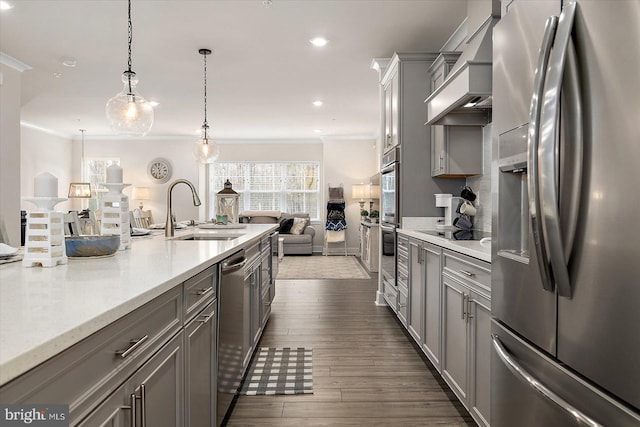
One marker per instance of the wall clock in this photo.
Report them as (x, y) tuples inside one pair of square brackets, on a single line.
[(159, 170)]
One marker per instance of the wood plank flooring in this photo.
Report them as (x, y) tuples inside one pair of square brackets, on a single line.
[(366, 371)]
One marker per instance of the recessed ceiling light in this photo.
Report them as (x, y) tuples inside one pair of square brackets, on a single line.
[(68, 61), (317, 103), (317, 130), (5, 5), (319, 41), (153, 103)]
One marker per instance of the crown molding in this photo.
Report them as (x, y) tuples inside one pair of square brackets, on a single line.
[(14, 63), (33, 126)]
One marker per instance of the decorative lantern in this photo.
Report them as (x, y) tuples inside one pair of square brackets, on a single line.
[(228, 203)]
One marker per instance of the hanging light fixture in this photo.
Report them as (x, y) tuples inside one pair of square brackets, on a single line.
[(80, 190), (128, 112), (205, 151)]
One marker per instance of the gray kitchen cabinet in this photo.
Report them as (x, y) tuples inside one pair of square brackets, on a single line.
[(402, 278), (153, 396), (466, 332), (480, 353), (369, 252), (391, 88), (424, 317), (201, 367), (92, 369), (404, 84), (161, 358), (455, 337), (251, 317), (431, 338), (456, 151), (415, 324)]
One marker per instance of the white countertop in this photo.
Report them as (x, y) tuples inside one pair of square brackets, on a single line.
[(473, 248), (43, 311)]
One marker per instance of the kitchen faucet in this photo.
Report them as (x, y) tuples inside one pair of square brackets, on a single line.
[(169, 227)]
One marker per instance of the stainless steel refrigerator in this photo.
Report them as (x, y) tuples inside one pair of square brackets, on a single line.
[(566, 224)]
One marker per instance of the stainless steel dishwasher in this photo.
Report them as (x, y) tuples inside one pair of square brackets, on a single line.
[(230, 332)]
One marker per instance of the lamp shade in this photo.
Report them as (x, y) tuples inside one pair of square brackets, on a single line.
[(359, 191), (374, 191), (79, 190), (141, 193)]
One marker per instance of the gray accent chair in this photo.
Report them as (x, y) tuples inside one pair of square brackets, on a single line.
[(293, 244)]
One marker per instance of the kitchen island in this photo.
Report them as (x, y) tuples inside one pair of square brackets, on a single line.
[(44, 311)]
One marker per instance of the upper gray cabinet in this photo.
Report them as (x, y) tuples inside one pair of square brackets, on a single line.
[(456, 151)]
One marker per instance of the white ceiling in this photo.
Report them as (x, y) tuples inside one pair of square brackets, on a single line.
[(263, 74)]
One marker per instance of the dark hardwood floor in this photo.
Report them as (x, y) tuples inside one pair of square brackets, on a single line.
[(366, 371)]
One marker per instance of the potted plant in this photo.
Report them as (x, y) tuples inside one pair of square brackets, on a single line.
[(364, 214), (375, 215)]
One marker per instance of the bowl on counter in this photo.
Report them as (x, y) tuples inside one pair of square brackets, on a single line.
[(91, 246)]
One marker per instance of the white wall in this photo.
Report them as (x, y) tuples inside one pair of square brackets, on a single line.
[(44, 152), (348, 162), (343, 161), (135, 155), (10, 152)]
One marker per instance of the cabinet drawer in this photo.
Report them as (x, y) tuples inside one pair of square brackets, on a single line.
[(391, 295), (266, 305), (402, 306), (88, 371), (468, 269), (199, 291)]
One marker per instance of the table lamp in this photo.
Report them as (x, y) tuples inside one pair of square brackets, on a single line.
[(140, 194)]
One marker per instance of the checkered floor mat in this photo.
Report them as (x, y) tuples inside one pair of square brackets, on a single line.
[(279, 371)]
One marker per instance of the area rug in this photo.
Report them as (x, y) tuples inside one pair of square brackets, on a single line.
[(321, 267), (279, 371)]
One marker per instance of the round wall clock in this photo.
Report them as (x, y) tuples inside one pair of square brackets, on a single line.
[(160, 170)]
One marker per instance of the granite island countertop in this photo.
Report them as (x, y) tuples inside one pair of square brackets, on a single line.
[(44, 311), (472, 248)]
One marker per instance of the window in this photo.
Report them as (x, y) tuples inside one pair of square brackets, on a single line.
[(283, 186), (95, 172)]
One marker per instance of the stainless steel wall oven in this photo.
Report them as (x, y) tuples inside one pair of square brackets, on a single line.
[(389, 207)]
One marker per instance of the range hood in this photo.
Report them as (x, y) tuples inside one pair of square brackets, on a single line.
[(465, 96)]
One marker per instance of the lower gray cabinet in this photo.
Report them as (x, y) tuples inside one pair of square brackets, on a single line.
[(200, 336), (455, 337), (415, 324), (432, 336), (480, 358), (153, 396), (466, 347)]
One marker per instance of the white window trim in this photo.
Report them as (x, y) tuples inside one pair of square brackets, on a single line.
[(282, 191)]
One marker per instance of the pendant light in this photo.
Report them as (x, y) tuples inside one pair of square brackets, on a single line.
[(205, 150), (80, 190), (128, 112)]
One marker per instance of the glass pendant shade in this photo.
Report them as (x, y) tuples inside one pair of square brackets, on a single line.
[(205, 150), (128, 113)]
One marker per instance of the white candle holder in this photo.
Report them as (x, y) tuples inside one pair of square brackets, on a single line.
[(115, 214), (44, 236)]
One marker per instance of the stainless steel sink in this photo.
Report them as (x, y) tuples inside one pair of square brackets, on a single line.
[(208, 236)]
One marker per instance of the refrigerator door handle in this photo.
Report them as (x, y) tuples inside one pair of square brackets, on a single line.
[(548, 152), (524, 375), (533, 141)]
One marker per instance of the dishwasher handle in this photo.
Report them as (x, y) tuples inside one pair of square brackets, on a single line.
[(233, 265)]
